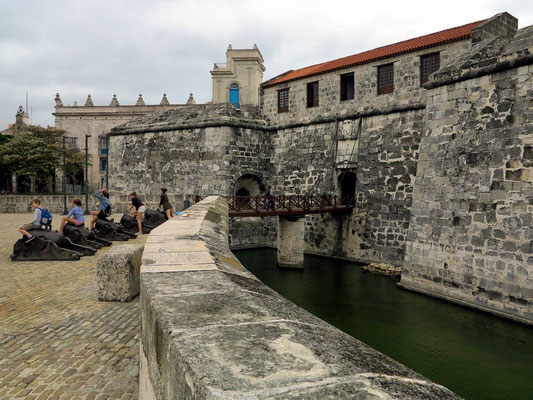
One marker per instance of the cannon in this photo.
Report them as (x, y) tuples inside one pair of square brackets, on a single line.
[(120, 229), (153, 218), (41, 249), (105, 230), (64, 242), (84, 237), (129, 224), (80, 235)]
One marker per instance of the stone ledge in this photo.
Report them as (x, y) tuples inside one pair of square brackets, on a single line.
[(211, 330), (118, 271)]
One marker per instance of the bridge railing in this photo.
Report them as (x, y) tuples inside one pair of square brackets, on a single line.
[(290, 203)]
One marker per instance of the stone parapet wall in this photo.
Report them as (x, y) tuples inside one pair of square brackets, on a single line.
[(211, 330), (15, 203), (470, 237)]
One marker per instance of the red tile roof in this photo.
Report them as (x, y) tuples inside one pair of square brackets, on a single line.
[(407, 46)]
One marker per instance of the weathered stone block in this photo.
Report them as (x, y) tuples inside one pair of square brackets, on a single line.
[(118, 271)]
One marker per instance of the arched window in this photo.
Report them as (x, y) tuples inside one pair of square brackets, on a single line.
[(234, 94)]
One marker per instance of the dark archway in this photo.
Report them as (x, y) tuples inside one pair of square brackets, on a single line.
[(347, 182), (246, 186)]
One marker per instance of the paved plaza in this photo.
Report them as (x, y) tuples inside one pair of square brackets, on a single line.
[(57, 341)]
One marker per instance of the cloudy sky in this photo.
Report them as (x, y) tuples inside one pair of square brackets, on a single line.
[(127, 47)]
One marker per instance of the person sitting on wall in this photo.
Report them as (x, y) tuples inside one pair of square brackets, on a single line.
[(139, 210), (167, 207), (35, 223), (75, 216), (104, 207)]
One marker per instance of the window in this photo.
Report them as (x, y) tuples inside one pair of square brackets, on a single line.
[(103, 164), (234, 94), (429, 63), (283, 100), (312, 94), (347, 83), (386, 78), (71, 143), (102, 144)]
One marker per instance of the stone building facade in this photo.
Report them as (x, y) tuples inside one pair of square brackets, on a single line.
[(97, 121), (435, 156)]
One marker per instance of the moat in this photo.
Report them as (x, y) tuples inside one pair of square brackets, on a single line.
[(476, 355)]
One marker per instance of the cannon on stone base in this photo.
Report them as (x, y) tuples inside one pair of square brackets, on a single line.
[(63, 242), (84, 237), (41, 249), (105, 230), (129, 224), (153, 218)]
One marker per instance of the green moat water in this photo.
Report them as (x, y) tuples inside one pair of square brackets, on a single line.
[(472, 353)]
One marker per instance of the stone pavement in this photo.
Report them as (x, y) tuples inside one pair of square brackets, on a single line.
[(56, 340)]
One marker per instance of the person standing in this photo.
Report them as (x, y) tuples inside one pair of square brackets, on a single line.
[(139, 210), (167, 207), (269, 194)]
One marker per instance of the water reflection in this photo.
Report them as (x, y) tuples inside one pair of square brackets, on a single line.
[(472, 353)]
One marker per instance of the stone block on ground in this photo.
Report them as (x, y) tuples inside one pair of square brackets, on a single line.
[(118, 271)]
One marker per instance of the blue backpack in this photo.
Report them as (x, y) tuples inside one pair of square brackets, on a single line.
[(46, 217)]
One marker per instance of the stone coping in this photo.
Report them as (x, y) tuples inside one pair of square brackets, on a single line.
[(211, 330)]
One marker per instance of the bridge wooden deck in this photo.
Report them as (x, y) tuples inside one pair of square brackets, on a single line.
[(261, 206)]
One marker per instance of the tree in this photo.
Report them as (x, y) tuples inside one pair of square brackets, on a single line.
[(37, 152)]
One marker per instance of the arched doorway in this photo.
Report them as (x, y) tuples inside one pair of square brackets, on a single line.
[(234, 94), (347, 182), (246, 186)]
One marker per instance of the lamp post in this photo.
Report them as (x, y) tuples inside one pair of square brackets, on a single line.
[(86, 212), (107, 162), (64, 177)]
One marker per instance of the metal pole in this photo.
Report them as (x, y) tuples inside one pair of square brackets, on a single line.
[(86, 212), (65, 212), (107, 162)]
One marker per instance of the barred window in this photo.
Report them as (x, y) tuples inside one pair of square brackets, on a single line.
[(386, 78), (312, 94), (283, 100), (429, 63)]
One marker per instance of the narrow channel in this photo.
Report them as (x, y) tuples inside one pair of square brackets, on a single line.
[(476, 355)]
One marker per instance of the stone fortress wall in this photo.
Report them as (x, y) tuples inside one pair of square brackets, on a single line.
[(471, 236), (397, 145)]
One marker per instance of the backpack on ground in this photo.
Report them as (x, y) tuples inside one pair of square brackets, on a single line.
[(46, 217)]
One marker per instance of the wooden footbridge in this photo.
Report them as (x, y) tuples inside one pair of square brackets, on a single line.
[(287, 205)]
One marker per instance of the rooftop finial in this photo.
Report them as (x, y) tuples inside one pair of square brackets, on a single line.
[(89, 102), (140, 101), (190, 100), (114, 101), (75, 104), (230, 48), (164, 100), (59, 103)]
